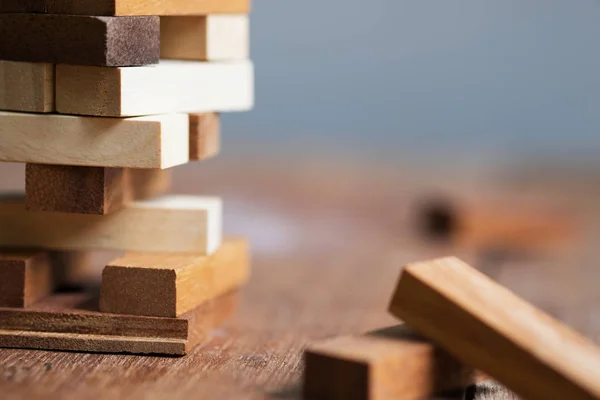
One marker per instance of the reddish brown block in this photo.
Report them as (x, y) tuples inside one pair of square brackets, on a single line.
[(25, 277), (205, 136)]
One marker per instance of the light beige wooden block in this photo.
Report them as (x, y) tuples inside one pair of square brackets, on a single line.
[(185, 224), (170, 86), (207, 38), (26, 86), (158, 141)]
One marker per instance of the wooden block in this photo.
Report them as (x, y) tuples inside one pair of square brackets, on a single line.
[(171, 86), (487, 326), (391, 363), (205, 136), (90, 190), (71, 322), (205, 38), (157, 141), (26, 86), (25, 277), (169, 285), (126, 7), (80, 40), (186, 224)]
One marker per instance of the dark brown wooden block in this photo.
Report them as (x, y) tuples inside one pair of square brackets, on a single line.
[(89, 190), (25, 277), (80, 40)]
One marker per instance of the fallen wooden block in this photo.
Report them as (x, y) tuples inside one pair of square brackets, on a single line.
[(169, 285), (205, 136), (25, 277), (27, 87), (206, 38), (487, 326), (157, 141), (171, 86), (80, 40), (186, 224), (71, 322), (90, 190), (126, 7), (391, 363)]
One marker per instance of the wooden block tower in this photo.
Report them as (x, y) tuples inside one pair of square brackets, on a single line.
[(100, 99)]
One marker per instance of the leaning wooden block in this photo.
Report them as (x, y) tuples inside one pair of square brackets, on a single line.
[(206, 38), (26, 86), (490, 328), (391, 363), (169, 285), (25, 277), (186, 224), (205, 136), (171, 86), (157, 141), (81, 40), (90, 190)]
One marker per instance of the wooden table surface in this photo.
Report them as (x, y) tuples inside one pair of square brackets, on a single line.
[(328, 243)]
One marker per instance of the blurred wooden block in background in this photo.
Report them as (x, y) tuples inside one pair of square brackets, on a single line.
[(205, 136), (25, 277), (26, 87), (171, 86), (169, 285), (516, 343), (90, 190), (126, 7), (80, 39), (206, 38), (156, 141), (391, 363), (186, 224)]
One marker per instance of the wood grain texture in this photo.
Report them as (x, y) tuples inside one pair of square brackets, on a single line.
[(171, 86), (186, 224), (205, 38), (158, 141), (516, 343), (391, 363), (205, 136), (169, 285), (90, 190), (126, 7), (72, 322), (27, 87), (80, 40), (25, 277)]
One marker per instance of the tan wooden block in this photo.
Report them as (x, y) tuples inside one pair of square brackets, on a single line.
[(487, 326), (90, 190), (186, 224), (27, 87), (25, 277), (391, 363), (206, 38), (169, 285), (205, 136), (157, 141)]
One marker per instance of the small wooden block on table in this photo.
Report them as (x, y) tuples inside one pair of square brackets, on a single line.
[(26, 87), (25, 277), (90, 190), (169, 285), (205, 136), (80, 40), (391, 363), (517, 344)]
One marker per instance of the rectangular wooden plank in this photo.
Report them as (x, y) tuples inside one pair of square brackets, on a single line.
[(90, 190), (27, 87), (516, 343), (71, 322), (205, 136), (126, 7), (25, 277), (205, 38), (186, 224), (80, 40), (169, 285), (390, 363), (157, 141), (171, 86)]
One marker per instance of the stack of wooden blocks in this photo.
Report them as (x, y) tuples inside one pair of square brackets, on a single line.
[(100, 98)]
